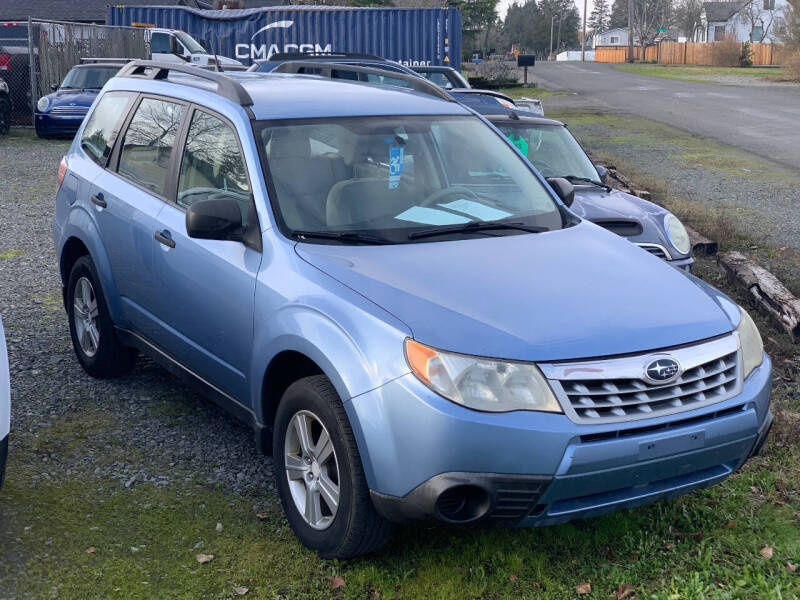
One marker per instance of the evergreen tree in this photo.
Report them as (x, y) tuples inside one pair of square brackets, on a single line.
[(599, 17), (619, 14)]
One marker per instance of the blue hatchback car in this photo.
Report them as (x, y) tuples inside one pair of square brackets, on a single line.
[(410, 336), (61, 113)]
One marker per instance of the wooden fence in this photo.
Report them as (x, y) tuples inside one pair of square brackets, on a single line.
[(683, 53)]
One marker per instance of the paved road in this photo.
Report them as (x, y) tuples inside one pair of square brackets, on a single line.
[(763, 120)]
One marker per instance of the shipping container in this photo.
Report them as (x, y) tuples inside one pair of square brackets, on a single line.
[(411, 36)]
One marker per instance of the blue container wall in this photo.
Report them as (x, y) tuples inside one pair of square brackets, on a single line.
[(416, 36)]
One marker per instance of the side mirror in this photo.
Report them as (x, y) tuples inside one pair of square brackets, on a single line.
[(174, 47), (602, 172), (563, 189), (54, 87), (215, 219)]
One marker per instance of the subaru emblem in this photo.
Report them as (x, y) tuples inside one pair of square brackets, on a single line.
[(662, 370)]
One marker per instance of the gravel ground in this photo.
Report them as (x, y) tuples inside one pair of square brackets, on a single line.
[(160, 431)]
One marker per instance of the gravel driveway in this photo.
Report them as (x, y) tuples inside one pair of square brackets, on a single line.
[(142, 427)]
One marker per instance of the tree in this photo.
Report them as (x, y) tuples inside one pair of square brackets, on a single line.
[(528, 25), (687, 17), (599, 18), (758, 18), (648, 16), (479, 17), (619, 14)]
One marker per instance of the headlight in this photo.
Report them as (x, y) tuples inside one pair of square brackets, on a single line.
[(752, 346), (481, 383), (677, 234), (43, 103)]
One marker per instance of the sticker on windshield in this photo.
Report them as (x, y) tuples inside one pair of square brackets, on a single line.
[(395, 165), (476, 209), (519, 142), (430, 216)]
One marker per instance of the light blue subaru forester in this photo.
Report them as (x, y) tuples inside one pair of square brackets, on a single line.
[(405, 312)]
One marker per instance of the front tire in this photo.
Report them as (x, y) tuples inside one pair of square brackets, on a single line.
[(96, 345), (319, 476)]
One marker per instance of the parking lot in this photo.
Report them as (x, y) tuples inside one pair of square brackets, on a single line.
[(116, 487)]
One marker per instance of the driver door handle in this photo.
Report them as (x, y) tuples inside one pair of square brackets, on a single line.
[(164, 237), (99, 201)]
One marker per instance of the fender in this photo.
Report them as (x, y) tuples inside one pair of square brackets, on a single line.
[(81, 226), (354, 366)]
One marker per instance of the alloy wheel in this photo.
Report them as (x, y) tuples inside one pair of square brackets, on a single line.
[(312, 469), (85, 317)]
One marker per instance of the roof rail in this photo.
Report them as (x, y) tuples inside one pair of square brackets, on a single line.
[(312, 55), (331, 70), (151, 69), (105, 61)]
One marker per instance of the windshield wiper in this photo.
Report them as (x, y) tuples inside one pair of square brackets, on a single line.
[(474, 226), (343, 236), (600, 184)]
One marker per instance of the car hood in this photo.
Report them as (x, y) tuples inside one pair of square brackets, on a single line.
[(575, 293), (79, 97), (597, 205)]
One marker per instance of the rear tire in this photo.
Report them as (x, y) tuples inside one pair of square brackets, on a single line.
[(353, 527), (96, 345)]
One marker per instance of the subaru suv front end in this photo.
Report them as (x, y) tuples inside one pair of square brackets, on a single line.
[(411, 321)]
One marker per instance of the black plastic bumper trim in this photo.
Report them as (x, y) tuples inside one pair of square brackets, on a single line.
[(763, 433), (511, 497)]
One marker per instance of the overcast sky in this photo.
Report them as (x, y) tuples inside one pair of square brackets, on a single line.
[(503, 5)]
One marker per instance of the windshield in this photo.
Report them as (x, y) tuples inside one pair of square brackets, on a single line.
[(391, 177), (92, 78), (190, 43), (551, 149)]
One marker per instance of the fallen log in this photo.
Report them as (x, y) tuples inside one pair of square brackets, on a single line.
[(765, 291), (700, 243)]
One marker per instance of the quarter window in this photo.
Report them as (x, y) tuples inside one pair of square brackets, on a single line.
[(103, 126), (212, 164), (147, 146)]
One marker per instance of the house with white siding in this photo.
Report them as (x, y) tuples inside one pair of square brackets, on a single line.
[(613, 37), (748, 21)]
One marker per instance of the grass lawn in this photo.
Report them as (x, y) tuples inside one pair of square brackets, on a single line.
[(530, 92), (702, 73)]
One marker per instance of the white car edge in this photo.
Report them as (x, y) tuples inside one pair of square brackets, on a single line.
[(5, 404)]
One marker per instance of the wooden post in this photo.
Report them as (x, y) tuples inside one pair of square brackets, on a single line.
[(32, 69)]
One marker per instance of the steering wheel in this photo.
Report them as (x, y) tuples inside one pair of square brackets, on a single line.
[(544, 169), (436, 197)]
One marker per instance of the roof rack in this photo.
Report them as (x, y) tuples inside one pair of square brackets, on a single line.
[(151, 69), (105, 61), (330, 70)]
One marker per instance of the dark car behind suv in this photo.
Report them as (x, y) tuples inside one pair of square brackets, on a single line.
[(15, 68)]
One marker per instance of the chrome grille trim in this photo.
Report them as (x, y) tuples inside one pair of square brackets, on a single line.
[(656, 250), (69, 110), (615, 390)]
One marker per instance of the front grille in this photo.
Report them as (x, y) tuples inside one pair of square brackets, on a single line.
[(515, 499), (69, 110), (616, 390), (656, 250)]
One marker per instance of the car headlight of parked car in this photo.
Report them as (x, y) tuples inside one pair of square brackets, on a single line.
[(750, 339), (678, 236), (481, 383), (43, 103)]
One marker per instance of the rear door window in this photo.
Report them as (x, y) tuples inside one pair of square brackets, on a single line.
[(103, 127), (147, 145)]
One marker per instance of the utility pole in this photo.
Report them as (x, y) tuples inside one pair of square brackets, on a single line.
[(583, 39), (630, 31), (552, 18)]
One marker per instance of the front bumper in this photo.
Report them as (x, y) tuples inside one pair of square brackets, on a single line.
[(427, 458), (48, 124), (682, 264)]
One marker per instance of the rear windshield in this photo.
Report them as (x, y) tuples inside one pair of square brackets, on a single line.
[(389, 177), (91, 78)]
